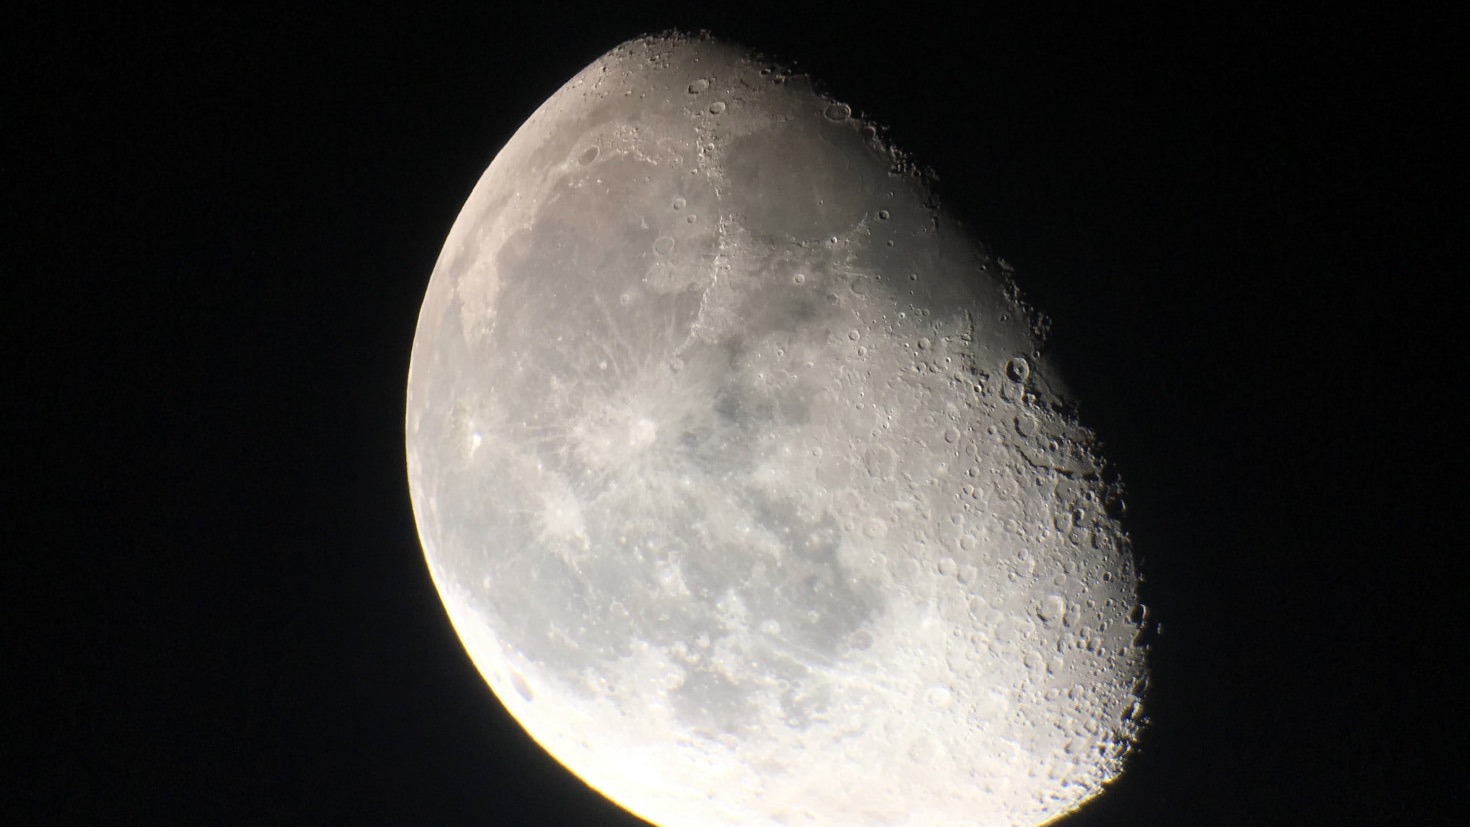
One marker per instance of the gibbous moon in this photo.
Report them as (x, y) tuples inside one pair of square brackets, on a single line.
[(743, 475)]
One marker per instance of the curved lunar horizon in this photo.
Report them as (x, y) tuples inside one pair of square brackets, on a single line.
[(743, 475)]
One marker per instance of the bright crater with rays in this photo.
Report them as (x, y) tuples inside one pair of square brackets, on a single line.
[(745, 479)]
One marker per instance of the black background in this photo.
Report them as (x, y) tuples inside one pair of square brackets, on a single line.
[(1248, 227)]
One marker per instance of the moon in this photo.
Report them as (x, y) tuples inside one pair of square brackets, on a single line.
[(745, 478)]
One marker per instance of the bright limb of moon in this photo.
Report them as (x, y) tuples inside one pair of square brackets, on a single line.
[(743, 477)]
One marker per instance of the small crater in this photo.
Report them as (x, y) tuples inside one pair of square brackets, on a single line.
[(924, 749), (663, 245), (588, 156), (881, 462), (939, 697), (679, 203), (838, 112), (799, 278), (522, 688), (1063, 522), (1018, 369), (717, 108), (1052, 609), (698, 86), (1026, 425)]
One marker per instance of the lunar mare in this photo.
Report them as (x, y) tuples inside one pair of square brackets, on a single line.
[(743, 476)]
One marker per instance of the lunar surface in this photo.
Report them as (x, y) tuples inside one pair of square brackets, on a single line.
[(745, 479)]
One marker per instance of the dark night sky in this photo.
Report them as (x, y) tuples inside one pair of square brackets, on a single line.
[(1249, 232)]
